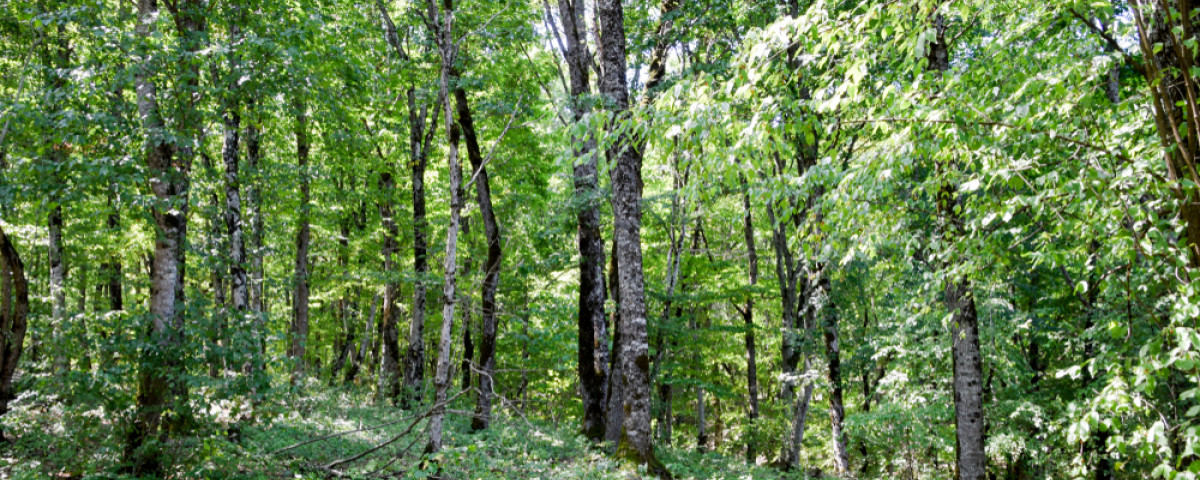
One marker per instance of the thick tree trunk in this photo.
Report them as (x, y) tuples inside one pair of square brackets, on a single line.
[(636, 442), (614, 409), (468, 355), (491, 267), (299, 329), (14, 314), (159, 383)]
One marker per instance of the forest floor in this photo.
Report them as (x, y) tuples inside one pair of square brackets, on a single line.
[(53, 440)]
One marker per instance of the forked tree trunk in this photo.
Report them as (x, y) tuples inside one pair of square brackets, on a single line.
[(389, 369), (161, 366), (636, 442)]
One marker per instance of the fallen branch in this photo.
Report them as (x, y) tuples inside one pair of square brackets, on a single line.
[(392, 440)]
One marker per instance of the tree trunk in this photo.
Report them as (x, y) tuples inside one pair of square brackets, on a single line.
[(614, 410), (363, 344), (837, 409), (593, 337), (636, 442), (389, 369), (414, 363), (468, 355), (491, 268), (971, 459), (447, 50), (14, 314), (299, 330), (253, 206), (748, 319), (56, 58), (159, 383)]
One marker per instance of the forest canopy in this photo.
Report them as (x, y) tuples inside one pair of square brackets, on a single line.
[(608, 239)]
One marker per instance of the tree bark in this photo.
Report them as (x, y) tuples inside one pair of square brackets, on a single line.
[(748, 319), (419, 146), (159, 383), (491, 267), (593, 336), (447, 50), (971, 458), (636, 442), (837, 409), (14, 315), (363, 345), (56, 58), (389, 370), (614, 410), (253, 136), (299, 330)]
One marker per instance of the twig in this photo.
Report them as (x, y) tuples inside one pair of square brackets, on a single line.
[(492, 151)]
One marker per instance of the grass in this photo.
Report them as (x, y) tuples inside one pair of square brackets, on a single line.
[(55, 440)]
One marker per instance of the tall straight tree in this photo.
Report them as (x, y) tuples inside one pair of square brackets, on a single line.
[(56, 58), (389, 367), (593, 334), (168, 163), (635, 442), (232, 121), (442, 21), (299, 329), (747, 312), (960, 302), (421, 130)]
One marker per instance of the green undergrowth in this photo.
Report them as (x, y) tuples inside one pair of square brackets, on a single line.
[(55, 440)]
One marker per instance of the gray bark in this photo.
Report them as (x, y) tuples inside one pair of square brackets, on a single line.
[(447, 50), (636, 442)]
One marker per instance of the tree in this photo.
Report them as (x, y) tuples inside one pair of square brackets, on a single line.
[(636, 442)]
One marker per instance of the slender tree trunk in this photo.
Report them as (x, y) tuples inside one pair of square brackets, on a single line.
[(592, 364), (56, 58), (748, 319), (389, 371), (447, 50), (299, 330), (636, 442), (468, 355), (971, 459), (14, 314), (253, 136), (837, 409), (58, 292), (414, 363), (491, 268), (363, 344)]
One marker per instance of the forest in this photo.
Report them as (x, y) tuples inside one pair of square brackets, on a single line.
[(600, 239)]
